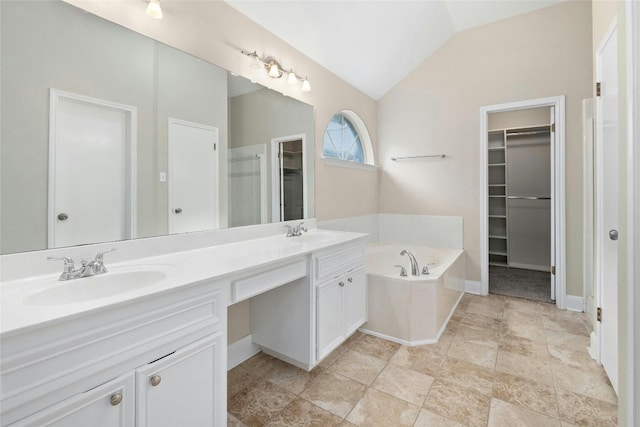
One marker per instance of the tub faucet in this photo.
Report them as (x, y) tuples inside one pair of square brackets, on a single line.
[(415, 270)]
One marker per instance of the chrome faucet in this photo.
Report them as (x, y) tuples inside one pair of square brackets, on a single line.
[(415, 270), (295, 230), (87, 268)]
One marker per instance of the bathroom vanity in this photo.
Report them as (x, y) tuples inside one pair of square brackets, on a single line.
[(145, 344)]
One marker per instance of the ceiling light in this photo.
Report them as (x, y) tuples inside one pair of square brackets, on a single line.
[(153, 9)]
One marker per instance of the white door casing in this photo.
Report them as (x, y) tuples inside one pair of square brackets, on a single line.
[(192, 177), (607, 203), (552, 136), (557, 190), (92, 170), (277, 176)]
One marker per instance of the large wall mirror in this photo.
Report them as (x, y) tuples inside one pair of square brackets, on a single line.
[(109, 135)]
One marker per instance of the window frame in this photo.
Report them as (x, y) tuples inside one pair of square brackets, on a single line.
[(365, 144)]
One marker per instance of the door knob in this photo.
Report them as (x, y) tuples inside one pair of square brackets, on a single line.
[(613, 234), (63, 216), (177, 210)]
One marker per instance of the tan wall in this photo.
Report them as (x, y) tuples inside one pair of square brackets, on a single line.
[(436, 110)]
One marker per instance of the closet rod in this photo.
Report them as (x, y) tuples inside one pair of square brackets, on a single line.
[(528, 198), (533, 132), (442, 156)]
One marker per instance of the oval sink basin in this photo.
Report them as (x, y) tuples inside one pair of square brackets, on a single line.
[(95, 287)]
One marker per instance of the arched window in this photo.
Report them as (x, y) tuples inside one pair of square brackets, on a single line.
[(346, 138)]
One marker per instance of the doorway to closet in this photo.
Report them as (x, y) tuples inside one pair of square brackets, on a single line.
[(522, 211), (519, 200)]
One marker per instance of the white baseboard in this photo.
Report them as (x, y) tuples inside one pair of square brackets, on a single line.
[(398, 340), (574, 303), (472, 287), (240, 351), (591, 309), (593, 346)]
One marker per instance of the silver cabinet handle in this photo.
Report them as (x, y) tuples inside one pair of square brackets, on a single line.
[(116, 399), (350, 280), (63, 216), (177, 210), (155, 380), (341, 284), (613, 234)]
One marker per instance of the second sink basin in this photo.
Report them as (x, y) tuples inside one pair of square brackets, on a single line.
[(319, 236), (112, 283)]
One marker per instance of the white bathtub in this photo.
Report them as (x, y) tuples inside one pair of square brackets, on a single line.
[(412, 310)]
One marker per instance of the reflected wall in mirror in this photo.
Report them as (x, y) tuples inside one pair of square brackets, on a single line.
[(191, 125)]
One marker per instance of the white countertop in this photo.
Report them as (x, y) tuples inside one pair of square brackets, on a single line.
[(181, 268)]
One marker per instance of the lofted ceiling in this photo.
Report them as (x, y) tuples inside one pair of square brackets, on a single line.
[(374, 44)]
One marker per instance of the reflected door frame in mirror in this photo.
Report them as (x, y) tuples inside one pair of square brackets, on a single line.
[(277, 181)]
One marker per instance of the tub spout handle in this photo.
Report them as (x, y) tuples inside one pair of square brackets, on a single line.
[(425, 269), (403, 271)]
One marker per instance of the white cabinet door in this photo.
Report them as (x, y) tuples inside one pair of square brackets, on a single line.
[(109, 405), (184, 388), (330, 320), (355, 301)]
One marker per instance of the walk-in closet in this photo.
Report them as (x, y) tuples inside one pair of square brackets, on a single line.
[(520, 203)]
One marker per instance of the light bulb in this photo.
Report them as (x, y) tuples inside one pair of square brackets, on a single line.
[(292, 79), (306, 86), (274, 71), (154, 10), (255, 63)]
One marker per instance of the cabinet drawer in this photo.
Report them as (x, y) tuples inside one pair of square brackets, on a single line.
[(339, 261), (258, 283)]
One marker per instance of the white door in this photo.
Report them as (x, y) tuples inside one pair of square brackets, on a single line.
[(355, 301), (183, 389), (91, 177), (193, 177), (330, 317), (607, 204)]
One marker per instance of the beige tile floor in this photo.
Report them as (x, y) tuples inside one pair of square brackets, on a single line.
[(501, 362)]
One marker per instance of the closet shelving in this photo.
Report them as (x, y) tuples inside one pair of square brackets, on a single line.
[(498, 249), (498, 191)]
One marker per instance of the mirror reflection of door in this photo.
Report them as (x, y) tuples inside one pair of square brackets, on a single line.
[(193, 177), (288, 182), (91, 189)]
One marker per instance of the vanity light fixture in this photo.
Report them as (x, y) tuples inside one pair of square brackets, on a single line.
[(306, 86), (153, 9), (292, 79), (274, 69)]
